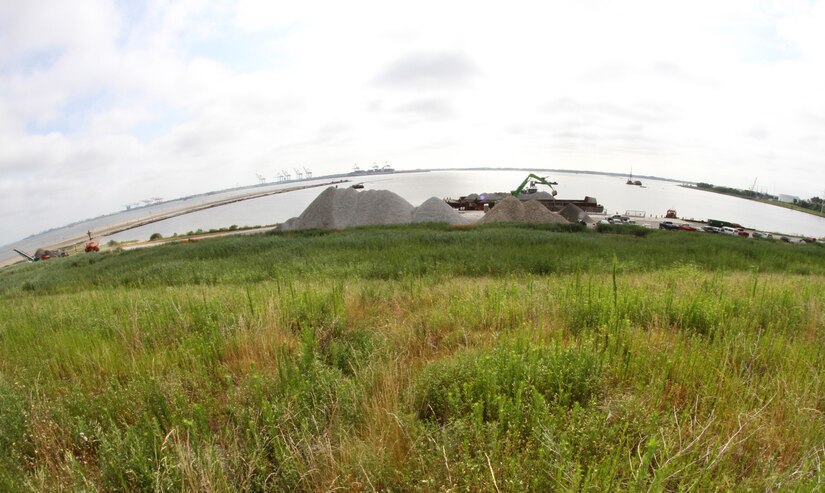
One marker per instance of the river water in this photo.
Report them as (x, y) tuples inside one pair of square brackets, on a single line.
[(655, 198)]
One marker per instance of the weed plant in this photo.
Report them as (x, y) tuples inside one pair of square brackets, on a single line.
[(424, 358)]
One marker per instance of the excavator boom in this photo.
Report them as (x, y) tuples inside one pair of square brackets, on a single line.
[(25, 255), (534, 178)]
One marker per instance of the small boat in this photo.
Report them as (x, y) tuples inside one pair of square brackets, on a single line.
[(357, 186), (631, 181)]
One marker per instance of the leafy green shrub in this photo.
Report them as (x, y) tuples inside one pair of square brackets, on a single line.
[(156, 236), (15, 448), (623, 229), (12, 420), (287, 417), (513, 383), (347, 351)]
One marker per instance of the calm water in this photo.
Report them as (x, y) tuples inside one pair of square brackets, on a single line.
[(654, 199)]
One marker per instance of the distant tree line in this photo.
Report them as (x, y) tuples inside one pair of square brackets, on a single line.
[(748, 194), (814, 203)]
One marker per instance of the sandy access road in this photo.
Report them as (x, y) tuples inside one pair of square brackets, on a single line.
[(153, 218)]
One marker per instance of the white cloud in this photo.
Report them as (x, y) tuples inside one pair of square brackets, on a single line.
[(168, 98)]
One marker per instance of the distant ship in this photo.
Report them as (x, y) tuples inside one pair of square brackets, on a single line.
[(630, 181), (375, 170)]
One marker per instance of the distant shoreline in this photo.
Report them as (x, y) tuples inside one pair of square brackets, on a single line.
[(355, 176), (767, 202), (111, 229), (569, 171)]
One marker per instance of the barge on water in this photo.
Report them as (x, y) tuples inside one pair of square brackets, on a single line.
[(723, 224), (482, 201), (477, 202)]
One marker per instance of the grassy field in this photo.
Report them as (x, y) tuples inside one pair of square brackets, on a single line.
[(796, 208), (748, 195), (419, 358)]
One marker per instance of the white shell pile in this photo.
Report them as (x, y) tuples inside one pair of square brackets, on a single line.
[(435, 210), (511, 209), (339, 208)]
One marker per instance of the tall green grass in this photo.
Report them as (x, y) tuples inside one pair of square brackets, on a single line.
[(410, 251), (420, 359)]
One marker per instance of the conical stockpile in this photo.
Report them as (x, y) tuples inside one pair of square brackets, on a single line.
[(574, 214), (535, 212), (512, 210), (338, 208), (435, 210), (330, 210), (380, 207), (507, 210)]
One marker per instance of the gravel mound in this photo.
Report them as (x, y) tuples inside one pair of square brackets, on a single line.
[(288, 225), (535, 212), (332, 209), (380, 207), (574, 214), (435, 210), (507, 210), (339, 208), (511, 209)]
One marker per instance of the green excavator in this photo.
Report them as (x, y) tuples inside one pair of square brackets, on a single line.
[(533, 180), (483, 201)]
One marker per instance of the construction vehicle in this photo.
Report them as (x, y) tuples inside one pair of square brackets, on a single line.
[(26, 256), (484, 201), (91, 245), (43, 254), (532, 180)]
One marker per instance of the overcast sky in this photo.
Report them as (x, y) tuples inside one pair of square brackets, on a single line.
[(104, 103)]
